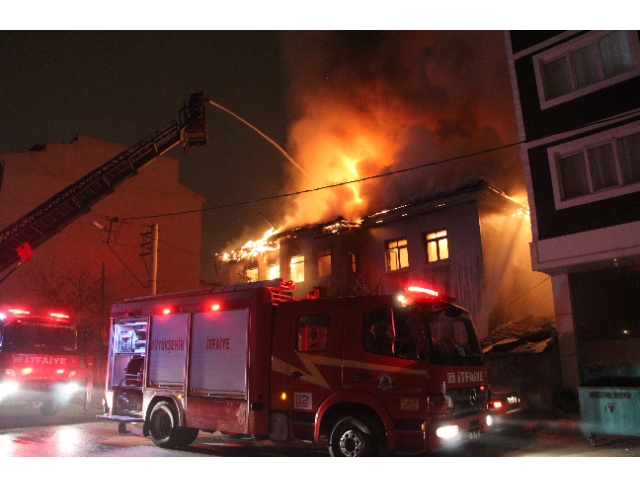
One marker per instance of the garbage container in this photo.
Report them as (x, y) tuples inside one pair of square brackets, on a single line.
[(610, 407)]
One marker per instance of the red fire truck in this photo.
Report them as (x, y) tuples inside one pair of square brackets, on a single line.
[(40, 362), (369, 375)]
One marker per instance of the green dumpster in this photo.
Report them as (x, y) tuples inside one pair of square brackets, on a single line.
[(610, 407)]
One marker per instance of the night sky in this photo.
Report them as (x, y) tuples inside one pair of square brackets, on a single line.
[(414, 96)]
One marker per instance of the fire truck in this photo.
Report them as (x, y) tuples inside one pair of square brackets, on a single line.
[(40, 361), (370, 375)]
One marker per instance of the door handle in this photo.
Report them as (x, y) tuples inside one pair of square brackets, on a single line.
[(363, 376), (297, 374)]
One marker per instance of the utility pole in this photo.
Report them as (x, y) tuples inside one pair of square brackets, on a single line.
[(150, 243)]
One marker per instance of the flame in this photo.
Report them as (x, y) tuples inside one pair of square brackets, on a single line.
[(374, 103), (253, 248)]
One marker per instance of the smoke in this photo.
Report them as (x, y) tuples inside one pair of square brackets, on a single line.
[(367, 103)]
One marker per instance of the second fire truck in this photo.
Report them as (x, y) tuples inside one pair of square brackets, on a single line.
[(40, 361), (371, 374)]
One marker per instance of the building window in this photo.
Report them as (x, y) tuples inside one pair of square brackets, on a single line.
[(437, 245), (353, 262), (274, 271), (597, 167), (252, 274), (397, 255), (297, 268), (324, 262), (313, 333), (586, 64)]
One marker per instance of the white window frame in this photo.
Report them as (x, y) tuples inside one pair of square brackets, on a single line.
[(556, 152), (398, 252), (322, 260), (297, 264), (438, 237), (564, 49)]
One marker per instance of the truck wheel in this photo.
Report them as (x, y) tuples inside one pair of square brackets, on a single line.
[(354, 437), (163, 426), (50, 408), (187, 436)]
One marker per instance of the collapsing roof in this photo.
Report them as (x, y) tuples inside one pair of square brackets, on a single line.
[(271, 239), (523, 337)]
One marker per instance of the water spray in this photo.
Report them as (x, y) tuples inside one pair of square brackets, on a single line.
[(289, 158)]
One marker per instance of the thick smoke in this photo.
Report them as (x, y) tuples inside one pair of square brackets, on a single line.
[(366, 103)]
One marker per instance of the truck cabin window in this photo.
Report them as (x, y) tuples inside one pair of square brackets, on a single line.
[(313, 333), (30, 336), (451, 337), (390, 331)]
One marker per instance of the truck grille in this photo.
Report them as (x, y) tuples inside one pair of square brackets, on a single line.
[(467, 401)]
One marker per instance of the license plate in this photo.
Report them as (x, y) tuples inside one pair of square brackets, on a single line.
[(475, 433)]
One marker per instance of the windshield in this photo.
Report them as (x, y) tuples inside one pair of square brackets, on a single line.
[(451, 337), (38, 337)]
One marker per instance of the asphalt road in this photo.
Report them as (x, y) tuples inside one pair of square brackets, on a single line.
[(76, 433)]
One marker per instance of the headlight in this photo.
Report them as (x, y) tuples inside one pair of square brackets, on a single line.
[(8, 387), (447, 431), (71, 387)]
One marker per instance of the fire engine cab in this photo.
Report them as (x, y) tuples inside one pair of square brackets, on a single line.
[(370, 375), (40, 362)]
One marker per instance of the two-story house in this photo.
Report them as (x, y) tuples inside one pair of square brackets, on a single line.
[(469, 243)]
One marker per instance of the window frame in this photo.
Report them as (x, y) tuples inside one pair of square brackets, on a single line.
[(322, 254), (388, 250), (300, 261), (555, 153), (565, 49), (250, 272), (437, 240)]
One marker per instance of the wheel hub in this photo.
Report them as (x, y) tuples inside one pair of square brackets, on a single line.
[(351, 444)]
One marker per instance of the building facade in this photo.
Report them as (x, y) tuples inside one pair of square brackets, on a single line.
[(577, 98), (88, 266), (470, 244)]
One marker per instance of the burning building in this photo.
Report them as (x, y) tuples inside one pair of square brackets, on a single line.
[(469, 243)]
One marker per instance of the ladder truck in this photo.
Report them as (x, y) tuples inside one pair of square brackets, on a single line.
[(19, 239)]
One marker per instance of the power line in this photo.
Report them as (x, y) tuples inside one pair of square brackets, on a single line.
[(329, 186), (376, 176)]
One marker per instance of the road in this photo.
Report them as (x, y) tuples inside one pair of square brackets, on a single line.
[(76, 433)]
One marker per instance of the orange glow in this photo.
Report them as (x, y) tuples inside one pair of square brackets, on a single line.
[(215, 307)]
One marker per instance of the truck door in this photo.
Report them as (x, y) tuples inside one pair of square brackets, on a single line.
[(307, 357), (384, 346)]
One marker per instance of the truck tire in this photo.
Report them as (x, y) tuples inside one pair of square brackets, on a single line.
[(163, 426), (187, 436), (356, 437), (50, 408)]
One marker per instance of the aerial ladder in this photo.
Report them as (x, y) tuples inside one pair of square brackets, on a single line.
[(19, 239)]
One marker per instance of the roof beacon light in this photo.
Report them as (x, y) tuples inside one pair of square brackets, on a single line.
[(215, 307), (60, 316), (416, 289), (19, 312)]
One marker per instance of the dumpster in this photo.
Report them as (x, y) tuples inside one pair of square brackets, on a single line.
[(610, 406)]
